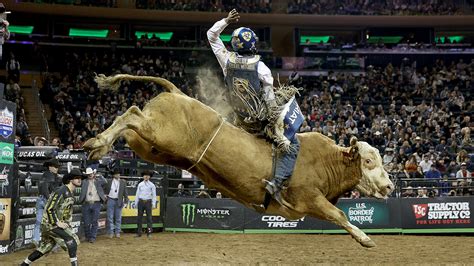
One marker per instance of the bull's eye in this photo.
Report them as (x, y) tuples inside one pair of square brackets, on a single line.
[(367, 161)]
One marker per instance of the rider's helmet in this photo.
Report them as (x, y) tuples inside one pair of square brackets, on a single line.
[(244, 41)]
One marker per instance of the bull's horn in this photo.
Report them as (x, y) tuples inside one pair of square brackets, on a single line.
[(114, 82), (353, 141)]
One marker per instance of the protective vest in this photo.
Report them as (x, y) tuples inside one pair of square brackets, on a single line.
[(244, 91)]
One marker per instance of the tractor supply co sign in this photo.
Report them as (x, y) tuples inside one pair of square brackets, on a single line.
[(218, 214), (446, 212), (442, 213)]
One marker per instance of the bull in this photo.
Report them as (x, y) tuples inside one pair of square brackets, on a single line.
[(177, 130)]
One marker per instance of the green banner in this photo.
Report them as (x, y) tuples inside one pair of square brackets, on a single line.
[(367, 214), (6, 153)]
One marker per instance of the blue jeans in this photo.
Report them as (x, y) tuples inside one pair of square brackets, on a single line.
[(90, 215), (286, 163), (40, 203), (114, 212)]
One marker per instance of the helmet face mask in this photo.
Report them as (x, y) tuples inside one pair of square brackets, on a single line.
[(244, 41)]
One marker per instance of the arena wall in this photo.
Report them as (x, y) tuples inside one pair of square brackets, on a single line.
[(394, 215)]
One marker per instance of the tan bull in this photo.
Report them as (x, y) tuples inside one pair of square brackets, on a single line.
[(177, 130)]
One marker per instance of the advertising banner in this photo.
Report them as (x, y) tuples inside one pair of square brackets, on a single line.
[(437, 213), (25, 227), (7, 121), (5, 214), (265, 223), (371, 214), (7, 150), (24, 233), (366, 213), (130, 211), (38, 153), (191, 214), (7, 173)]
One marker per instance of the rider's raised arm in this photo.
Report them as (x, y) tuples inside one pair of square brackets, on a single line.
[(217, 45)]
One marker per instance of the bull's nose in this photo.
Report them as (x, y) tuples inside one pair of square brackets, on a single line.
[(390, 187)]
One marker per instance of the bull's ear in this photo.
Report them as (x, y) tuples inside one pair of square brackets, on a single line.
[(353, 152), (353, 141)]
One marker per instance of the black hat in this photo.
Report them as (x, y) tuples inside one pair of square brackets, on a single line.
[(147, 172), (115, 171), (73, 174), (53, 162)]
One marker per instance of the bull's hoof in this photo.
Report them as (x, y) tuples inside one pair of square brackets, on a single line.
[(97, 149), (368, 243), (90, 144), (97, 154)]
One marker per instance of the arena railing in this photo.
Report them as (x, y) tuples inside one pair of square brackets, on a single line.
[(44, 122), (440, 187)]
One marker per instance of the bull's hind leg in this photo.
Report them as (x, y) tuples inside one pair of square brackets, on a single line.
[(323, 209), (132, 119)]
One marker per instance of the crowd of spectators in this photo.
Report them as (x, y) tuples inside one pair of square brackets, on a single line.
[(81, 110), (408, 114), (367, 7), (97, 3), (14, 94), (320, 7), (244, 6)]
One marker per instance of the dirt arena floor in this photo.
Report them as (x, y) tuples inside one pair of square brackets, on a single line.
[(264, 249)]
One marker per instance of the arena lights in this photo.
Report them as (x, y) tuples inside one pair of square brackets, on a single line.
[(384, 39), (75, 32), (164, 36), (451, 39), (226, 37), (21, 29), (314, 39)]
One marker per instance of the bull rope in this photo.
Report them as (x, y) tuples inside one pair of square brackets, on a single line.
[(208, 145)]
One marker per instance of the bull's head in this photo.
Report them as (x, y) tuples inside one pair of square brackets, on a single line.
[(375, 181)]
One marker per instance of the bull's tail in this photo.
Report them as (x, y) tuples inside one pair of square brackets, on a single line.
[(113, 82)]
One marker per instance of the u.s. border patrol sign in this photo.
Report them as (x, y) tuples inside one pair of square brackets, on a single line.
[(6, 122)]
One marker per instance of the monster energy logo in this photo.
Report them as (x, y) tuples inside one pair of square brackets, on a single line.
[(188, 213)]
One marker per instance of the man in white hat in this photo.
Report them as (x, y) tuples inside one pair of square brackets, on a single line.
[(463, 174), (92, 197), (388, 156)]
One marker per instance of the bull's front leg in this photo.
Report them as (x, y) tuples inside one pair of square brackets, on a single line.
[(323, 209), (102, 143)]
